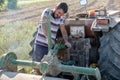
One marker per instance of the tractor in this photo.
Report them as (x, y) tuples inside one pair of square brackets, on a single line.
[(94, 54)]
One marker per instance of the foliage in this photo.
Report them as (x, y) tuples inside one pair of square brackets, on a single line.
[(2, 2), (16, 38)]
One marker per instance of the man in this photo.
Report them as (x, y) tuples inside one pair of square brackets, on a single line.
[(56, 22)]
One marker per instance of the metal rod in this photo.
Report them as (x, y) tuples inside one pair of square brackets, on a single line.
[(49, 33), (25, 63), (79, 70), (64, 68)]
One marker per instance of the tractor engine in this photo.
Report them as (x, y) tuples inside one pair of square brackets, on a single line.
[(85, 43)]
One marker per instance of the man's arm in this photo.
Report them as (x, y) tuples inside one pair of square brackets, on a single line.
[(44, 28), (65, 35)]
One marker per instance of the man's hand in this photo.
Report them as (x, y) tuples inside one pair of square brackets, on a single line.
[(68, 44), (65, 35)]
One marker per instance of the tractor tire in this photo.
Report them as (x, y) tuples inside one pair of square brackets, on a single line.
[(109, 50)]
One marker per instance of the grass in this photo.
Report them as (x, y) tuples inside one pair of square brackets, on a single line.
[(16, 37)]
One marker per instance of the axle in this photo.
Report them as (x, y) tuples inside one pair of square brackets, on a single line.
[(44, 66)]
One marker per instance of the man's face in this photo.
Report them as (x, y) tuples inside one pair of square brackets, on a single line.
[(58, 13)]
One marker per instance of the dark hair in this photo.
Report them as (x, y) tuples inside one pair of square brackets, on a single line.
[(63, 6)]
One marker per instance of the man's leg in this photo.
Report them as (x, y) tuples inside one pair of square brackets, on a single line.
[(39, 52)]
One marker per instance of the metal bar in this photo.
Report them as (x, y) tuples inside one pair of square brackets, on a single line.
[(74, 69), (65, 68), (55, 49), (79, 70), (25, 63), (49, 33)]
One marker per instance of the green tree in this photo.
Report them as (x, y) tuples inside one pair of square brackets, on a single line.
[(2, 2)]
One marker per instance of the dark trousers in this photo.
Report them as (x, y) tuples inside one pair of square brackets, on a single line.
[(39, 52)]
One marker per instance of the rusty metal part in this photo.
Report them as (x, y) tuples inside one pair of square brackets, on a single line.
[(80, 22), (51, 63), (77, 22), (5, 62)]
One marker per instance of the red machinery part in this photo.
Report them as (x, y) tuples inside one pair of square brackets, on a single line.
[(103, 21)]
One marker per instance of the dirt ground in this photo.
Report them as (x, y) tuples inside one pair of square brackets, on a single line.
[(33, 12)]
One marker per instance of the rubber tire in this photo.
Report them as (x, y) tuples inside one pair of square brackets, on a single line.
[(109, 61)]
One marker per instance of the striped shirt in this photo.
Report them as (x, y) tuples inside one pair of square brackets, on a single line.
[(54, 24)]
